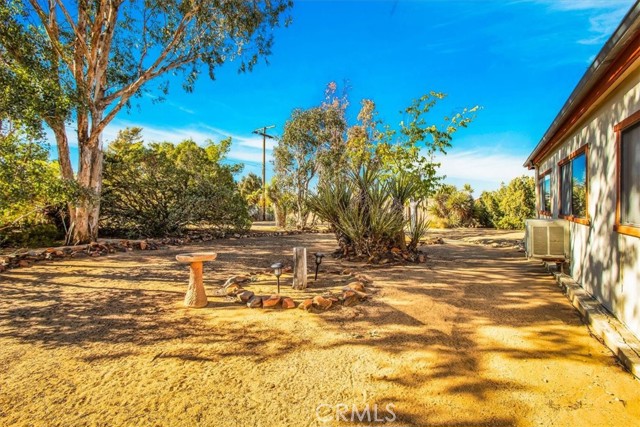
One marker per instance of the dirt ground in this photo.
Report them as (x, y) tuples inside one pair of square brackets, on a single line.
[(476, 336)]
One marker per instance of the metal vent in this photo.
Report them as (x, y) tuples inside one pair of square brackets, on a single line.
[(556, 241), (540, 240), (546, 238)]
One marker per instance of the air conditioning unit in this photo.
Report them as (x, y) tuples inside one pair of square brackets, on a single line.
[(547, 239)]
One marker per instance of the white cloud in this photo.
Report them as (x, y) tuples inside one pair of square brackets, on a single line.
[(607, 15), (248, 156), (483, 170), (586, 4), (602, 26)]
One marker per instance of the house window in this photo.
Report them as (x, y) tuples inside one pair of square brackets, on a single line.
[(574, 187), (544, 190), (628, 209)]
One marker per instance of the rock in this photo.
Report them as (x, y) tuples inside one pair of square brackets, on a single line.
[(219, 292), (288, 303), (234, 280), (255, 302), (306, 304), (355, 286), (232, 289), (333, 298), (350, 298), (272, 302), (322, 302), (244, 296)]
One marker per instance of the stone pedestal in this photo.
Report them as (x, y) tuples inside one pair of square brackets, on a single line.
[(196, 296), (299, 268)]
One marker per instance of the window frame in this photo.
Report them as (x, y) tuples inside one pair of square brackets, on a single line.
[(619, 128), (586, 220), (541, 210)]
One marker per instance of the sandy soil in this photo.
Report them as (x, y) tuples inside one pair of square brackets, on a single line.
[(477, 336)]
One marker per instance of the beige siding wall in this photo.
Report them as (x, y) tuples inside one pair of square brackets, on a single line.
[(605, 263)]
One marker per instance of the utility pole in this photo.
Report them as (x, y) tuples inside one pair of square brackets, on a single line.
[(263, 131)]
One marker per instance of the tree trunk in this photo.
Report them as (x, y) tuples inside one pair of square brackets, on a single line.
[(280, 214), (87, 213)]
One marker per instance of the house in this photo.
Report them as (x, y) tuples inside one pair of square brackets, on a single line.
[(587, 168)]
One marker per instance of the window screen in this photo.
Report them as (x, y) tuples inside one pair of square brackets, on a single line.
[(579, 186), (545, 195), (630, 177), (565, 189)]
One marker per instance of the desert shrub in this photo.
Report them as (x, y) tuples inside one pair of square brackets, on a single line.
[(364, 214), (487, 209), (453, 207), (160, 189), (30, 191), (516, 202), (417, 230), (31, 235), (506, 208)]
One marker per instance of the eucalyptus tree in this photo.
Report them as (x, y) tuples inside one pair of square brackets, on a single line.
[(87, 59), (310, 145)]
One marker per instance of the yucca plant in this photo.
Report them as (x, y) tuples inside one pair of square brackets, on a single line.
[(416, 230), (363, 211)]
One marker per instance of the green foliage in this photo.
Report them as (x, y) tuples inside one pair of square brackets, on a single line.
[(281, 200), (453, 207), (31, 235), (163, 188), (363, 212), (506, 208), (86, 60), (517, 203), (412, 150), (30, 190), (315, 141), (250, 187), (311, 145), (418, 228)]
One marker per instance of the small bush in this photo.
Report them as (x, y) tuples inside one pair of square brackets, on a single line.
[(161, 189), (31, 236)]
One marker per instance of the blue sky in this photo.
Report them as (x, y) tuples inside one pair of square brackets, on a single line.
[(518, 60)]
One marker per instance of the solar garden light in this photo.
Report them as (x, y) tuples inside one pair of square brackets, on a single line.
[(319, 256), (277, 270)]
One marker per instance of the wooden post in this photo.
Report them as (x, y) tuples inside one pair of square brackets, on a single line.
[(299, 268)]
